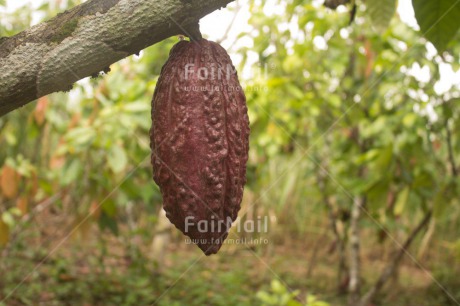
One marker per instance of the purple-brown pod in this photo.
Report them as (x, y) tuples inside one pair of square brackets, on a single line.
[(200, 141)]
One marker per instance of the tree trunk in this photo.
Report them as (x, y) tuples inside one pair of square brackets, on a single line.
[(354, 285), (87, 39)]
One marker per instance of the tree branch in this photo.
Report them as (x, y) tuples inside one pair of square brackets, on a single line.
[(391, 267), (87, 39), (230, 25), (450, 150)]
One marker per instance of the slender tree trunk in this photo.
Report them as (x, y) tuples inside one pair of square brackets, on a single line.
[(425, 242), (319, 242), (342, 265), (450, 151), (354, 285)]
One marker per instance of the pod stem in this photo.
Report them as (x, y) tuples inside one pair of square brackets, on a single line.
[(193, 32)]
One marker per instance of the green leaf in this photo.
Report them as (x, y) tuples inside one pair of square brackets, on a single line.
[(447, 108), (106, 222), (295, 91), (377, 193), (438, 20), (80, 136), (265, 297), (381, 12), (384, 159), (288, 187), (444, 197), (71, 172), (109, 208), (409, 120), (401, 201), (137, 107), (117, 158), (4, 232), (277, 287)]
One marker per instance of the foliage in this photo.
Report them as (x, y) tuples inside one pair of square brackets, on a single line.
[(351, 105), (381, 13), (337, 112), (438, 20), (279, 295)]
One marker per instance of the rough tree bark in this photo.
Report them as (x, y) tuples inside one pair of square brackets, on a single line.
[(87, 39)]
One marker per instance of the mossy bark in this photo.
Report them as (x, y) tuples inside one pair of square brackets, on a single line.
[(80, 42)]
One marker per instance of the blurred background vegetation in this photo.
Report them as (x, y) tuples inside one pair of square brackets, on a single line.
[(353, 136)]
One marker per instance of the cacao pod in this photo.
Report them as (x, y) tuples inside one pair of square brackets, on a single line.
[(200, 141)]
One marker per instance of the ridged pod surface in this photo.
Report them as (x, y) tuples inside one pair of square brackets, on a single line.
[(200, 141)]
